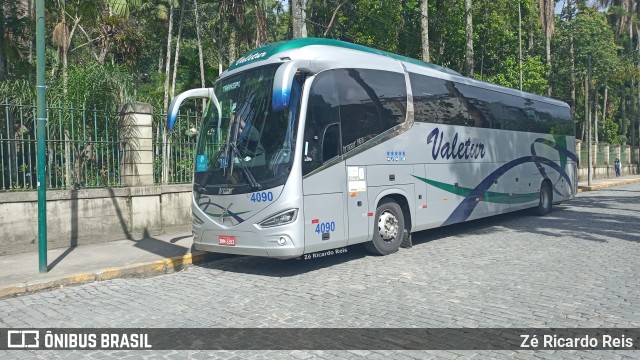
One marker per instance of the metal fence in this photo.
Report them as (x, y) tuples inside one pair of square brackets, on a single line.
[(181, 143), (602, 156), (84, 148)]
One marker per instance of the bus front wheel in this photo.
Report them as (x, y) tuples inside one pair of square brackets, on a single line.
[(388, 229), (546, 200)]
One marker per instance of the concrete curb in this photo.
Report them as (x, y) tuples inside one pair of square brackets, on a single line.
[(606, 185), (139, 270)]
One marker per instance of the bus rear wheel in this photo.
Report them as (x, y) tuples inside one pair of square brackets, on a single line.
[(388, 229), (546, 200)]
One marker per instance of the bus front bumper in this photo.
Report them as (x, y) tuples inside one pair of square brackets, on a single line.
[(278, 244)]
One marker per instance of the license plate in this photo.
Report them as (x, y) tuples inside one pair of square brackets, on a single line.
[(226, 240)]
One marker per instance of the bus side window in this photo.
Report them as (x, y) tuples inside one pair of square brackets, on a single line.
[(331, 142), (320, 138), (371, 102)]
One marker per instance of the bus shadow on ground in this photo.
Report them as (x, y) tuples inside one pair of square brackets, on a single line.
[(585, 220), (293, 267), (283, 268)]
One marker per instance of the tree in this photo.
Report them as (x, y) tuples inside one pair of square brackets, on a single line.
[(596, 42), (299, 21), (424, 23), (547, 18), (468, 38)]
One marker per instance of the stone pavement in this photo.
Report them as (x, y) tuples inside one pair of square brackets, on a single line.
[(130, 258), (576, 268)]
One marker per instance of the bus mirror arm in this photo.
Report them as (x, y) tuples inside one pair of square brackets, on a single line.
[(172, 112), (283, 80)]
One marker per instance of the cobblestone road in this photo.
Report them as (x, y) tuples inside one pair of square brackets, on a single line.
[(578, 267)]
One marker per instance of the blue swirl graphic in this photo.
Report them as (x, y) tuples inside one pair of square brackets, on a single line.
[(469, 203), (204, 205)]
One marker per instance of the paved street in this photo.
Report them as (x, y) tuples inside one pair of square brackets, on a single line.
[(578, 267)]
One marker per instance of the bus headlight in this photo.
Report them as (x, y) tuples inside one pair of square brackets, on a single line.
[(282, 218)]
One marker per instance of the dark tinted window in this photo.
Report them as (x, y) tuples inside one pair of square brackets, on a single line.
[(440, 101), (322, 128), (445, 102), (371, 102)]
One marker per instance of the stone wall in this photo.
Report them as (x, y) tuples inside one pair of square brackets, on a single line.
[(93, 215), (604, 172)]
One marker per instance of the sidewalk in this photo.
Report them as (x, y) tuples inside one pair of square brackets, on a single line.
[(605, 183), (150, 256)]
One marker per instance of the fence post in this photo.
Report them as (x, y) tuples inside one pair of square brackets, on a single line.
[(627, 154), (136, 135)]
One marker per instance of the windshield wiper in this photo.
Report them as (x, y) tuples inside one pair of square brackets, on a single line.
[(247, 173)]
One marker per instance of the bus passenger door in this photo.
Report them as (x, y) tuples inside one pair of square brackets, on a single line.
[(357, 205), (324, 190)]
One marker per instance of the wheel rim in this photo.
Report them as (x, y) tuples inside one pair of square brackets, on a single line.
[(388, 226), (544, 197)]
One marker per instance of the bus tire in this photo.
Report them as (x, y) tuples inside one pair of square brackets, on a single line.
[(388, 229), (546, 200)]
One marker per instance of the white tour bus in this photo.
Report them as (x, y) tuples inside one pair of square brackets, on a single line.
[(315, 144)]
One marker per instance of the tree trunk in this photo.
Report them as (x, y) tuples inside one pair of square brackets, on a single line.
[(232, 44), (167, 69), (220, 48), (623, 120), (424, 26), (572, 58), (333, 17), (65, 49), (548, 24), (4, 61), (166, 158), (167, 72), (303, 14), (298, 22), (520, 43), (261, 24), (595, 116), (632, 108), (177, 54), (32, 41), (200, 57), (469, 38), (604, 106)]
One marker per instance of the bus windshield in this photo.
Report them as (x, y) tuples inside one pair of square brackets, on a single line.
[(244, 145)]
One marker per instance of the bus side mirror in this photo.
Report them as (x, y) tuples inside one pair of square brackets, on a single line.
[(172, 112)]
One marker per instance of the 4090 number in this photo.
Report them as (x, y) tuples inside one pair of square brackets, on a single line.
[(325, 227), (263, 196)]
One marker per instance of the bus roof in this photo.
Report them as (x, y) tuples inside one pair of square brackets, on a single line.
[(268, 50)]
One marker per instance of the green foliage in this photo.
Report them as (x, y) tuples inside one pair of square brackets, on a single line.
[(610, 132), (118, 48), (533, 75)]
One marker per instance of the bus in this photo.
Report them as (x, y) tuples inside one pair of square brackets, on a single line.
[(311, 144)]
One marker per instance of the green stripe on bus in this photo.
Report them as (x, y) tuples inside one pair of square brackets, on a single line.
[(489, 196)]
